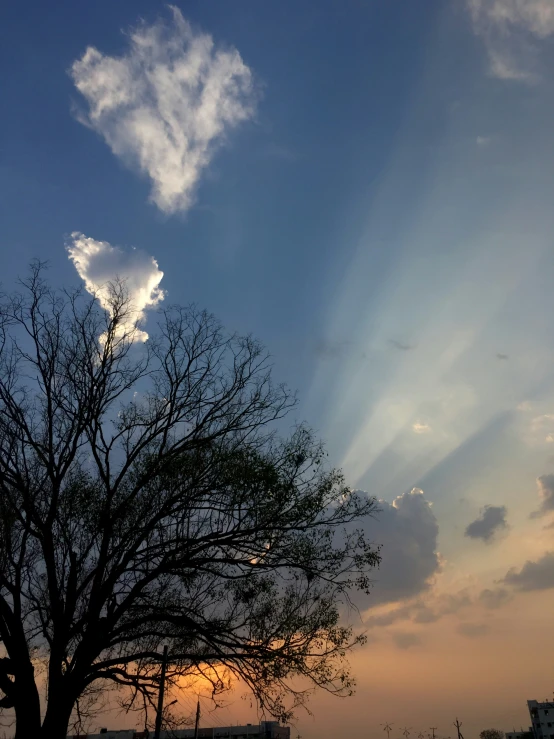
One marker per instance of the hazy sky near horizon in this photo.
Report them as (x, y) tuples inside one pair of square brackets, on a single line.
[(367, 186)]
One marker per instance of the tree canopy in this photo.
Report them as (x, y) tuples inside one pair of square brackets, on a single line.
[(146, 499), (491, 734)]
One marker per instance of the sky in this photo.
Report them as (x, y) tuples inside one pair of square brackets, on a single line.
[(367, 187)]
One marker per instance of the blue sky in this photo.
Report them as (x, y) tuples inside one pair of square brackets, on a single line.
[(367, 186)]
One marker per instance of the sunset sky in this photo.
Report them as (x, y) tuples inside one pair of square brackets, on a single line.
[(367, 186)]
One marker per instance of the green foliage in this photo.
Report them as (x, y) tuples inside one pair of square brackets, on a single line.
[(146, 499)]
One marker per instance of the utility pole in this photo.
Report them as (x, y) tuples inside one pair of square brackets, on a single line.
[(158, 727), (458, 724), (433, 729), (197, 722)]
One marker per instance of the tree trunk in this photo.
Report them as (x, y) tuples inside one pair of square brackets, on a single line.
[(56, 720), (58, 709), (27, 722), (27, 705)]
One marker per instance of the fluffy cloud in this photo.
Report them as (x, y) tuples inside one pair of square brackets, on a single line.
[(537, 575), (490, 522), (99, 264), (407, 530), (165, 105), (545, 485), (493, 599), (510, 30)]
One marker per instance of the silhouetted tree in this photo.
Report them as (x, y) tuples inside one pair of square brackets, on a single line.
[(491, 734), (145, 499)]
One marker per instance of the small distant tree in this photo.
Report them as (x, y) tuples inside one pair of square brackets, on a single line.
[(491, 734), (146, 500)]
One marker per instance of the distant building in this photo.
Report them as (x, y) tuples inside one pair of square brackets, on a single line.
[(542, 717), (265, 730)]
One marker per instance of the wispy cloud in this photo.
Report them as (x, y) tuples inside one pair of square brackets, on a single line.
[(541, 429), (472, 630), (434, 607), (99, 263), (490, 522), (421, 428), (545, 485), (402, 346), (280, 151), (166, 104), (406, 640), (511, 30), (329, 349), (493, 599)]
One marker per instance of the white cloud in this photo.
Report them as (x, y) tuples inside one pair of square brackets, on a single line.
[(541, 429), (99, 264), (535, 428), (545, 485), (483, 140), (510, 30), (524, 406), (421, 428), (166, 104)]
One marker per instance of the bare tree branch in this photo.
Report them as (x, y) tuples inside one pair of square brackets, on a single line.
[(146, 499)]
